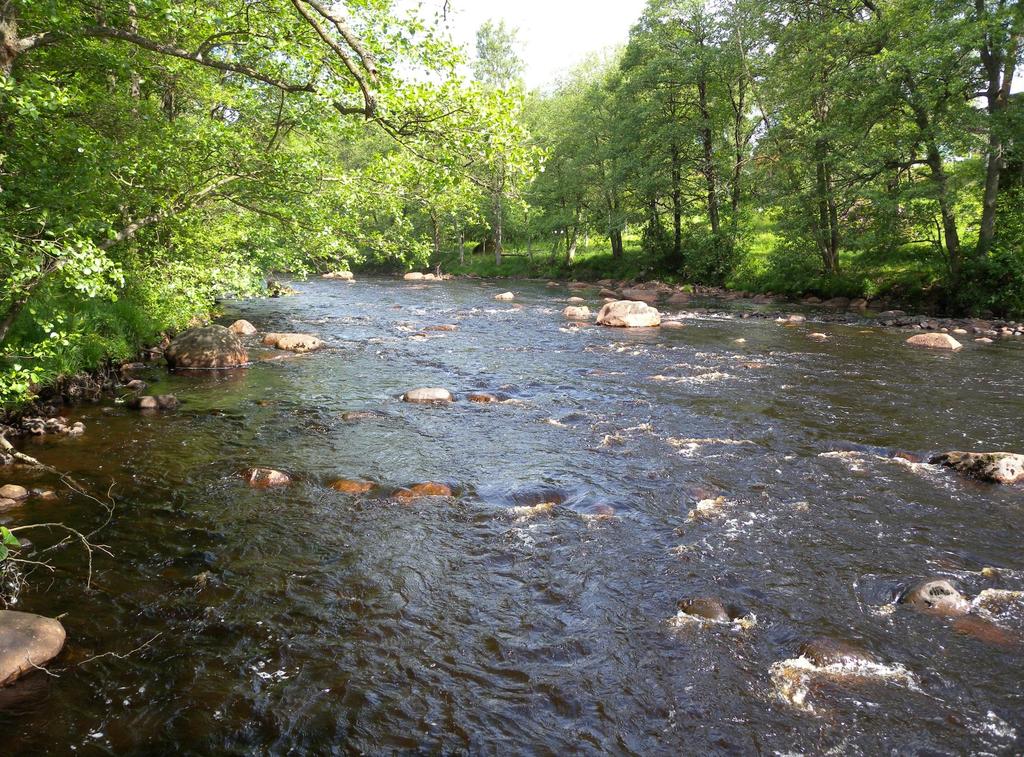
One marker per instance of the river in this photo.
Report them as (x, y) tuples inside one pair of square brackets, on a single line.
[(330, 623)]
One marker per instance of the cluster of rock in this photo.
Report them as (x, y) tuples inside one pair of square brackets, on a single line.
[(340, 275), (268, 478), (38, 426), (417, 276), (217, 347)]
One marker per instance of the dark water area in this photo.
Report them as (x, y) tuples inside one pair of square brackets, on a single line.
[(331, 623)]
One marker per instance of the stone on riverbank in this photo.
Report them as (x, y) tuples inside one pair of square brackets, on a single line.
[(293, 342), (628, 314), (340, 275), (935, 342), (242, 327), (206, 347), (413, 276), (13, 491), (636, 294), (996, 467), (427, 394), (577, 313), (27, 642), (266, 478)]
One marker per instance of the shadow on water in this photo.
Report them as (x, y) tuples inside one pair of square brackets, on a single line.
[(534, 607)]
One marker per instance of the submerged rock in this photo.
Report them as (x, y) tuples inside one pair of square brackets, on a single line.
[(706, 608), (206, 347), (996, 467), (673, 325), (482, 397), (27, 641), (352, 486), (823, 651), (293, 342), (353, 416), (935, 342), (147, 402), (266, 478), (577, 313), (628, 314), (426, 489), (937, 597), (442, 327), (427, 394), (242, 328)]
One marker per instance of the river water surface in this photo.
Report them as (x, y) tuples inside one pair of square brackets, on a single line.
[(330, 623)]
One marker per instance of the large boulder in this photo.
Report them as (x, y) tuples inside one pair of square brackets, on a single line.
[(242, 328), (997, 467), (627, 314), (27, 642), (293, 342), (206, 347), (935, 342)]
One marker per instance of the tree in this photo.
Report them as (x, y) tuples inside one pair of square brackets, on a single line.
[(498, 62)]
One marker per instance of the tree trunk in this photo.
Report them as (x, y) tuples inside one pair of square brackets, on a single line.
[(1000, 68), (827, 222), (435, 225), (498, 221), (571, 237), (709, 155), (677, 210), (462, 245)]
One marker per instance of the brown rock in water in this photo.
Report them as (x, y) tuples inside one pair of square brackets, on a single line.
[(27, 641), (936, 597), (708, 608), (635, 294), (481, 398), (427, 395), (144, 402), (351, 486), (995, 467), (13, 491), (627, 314), (266, 478), (576, 300), (7, 504), (340, 275), (242, 328), (935, 342), (361, 415), (206, 347), (577, 313), (167, 402), (426, 489), (442, 327), (609, 293), (823, 651), (293, 342)]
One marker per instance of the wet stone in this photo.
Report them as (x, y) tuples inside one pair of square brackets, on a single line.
[(27, 642), (427, 395), (824, 651), (266, 478), (937, 597), (706, 608)]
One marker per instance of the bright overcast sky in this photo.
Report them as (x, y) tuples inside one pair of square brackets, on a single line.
[(555, 34)]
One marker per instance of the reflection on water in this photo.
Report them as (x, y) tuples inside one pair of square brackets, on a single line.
[(535, 607)]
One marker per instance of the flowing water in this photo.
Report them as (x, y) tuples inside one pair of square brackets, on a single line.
[(331, 623)]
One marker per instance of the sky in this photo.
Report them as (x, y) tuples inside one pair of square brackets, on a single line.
[(555, 34)]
